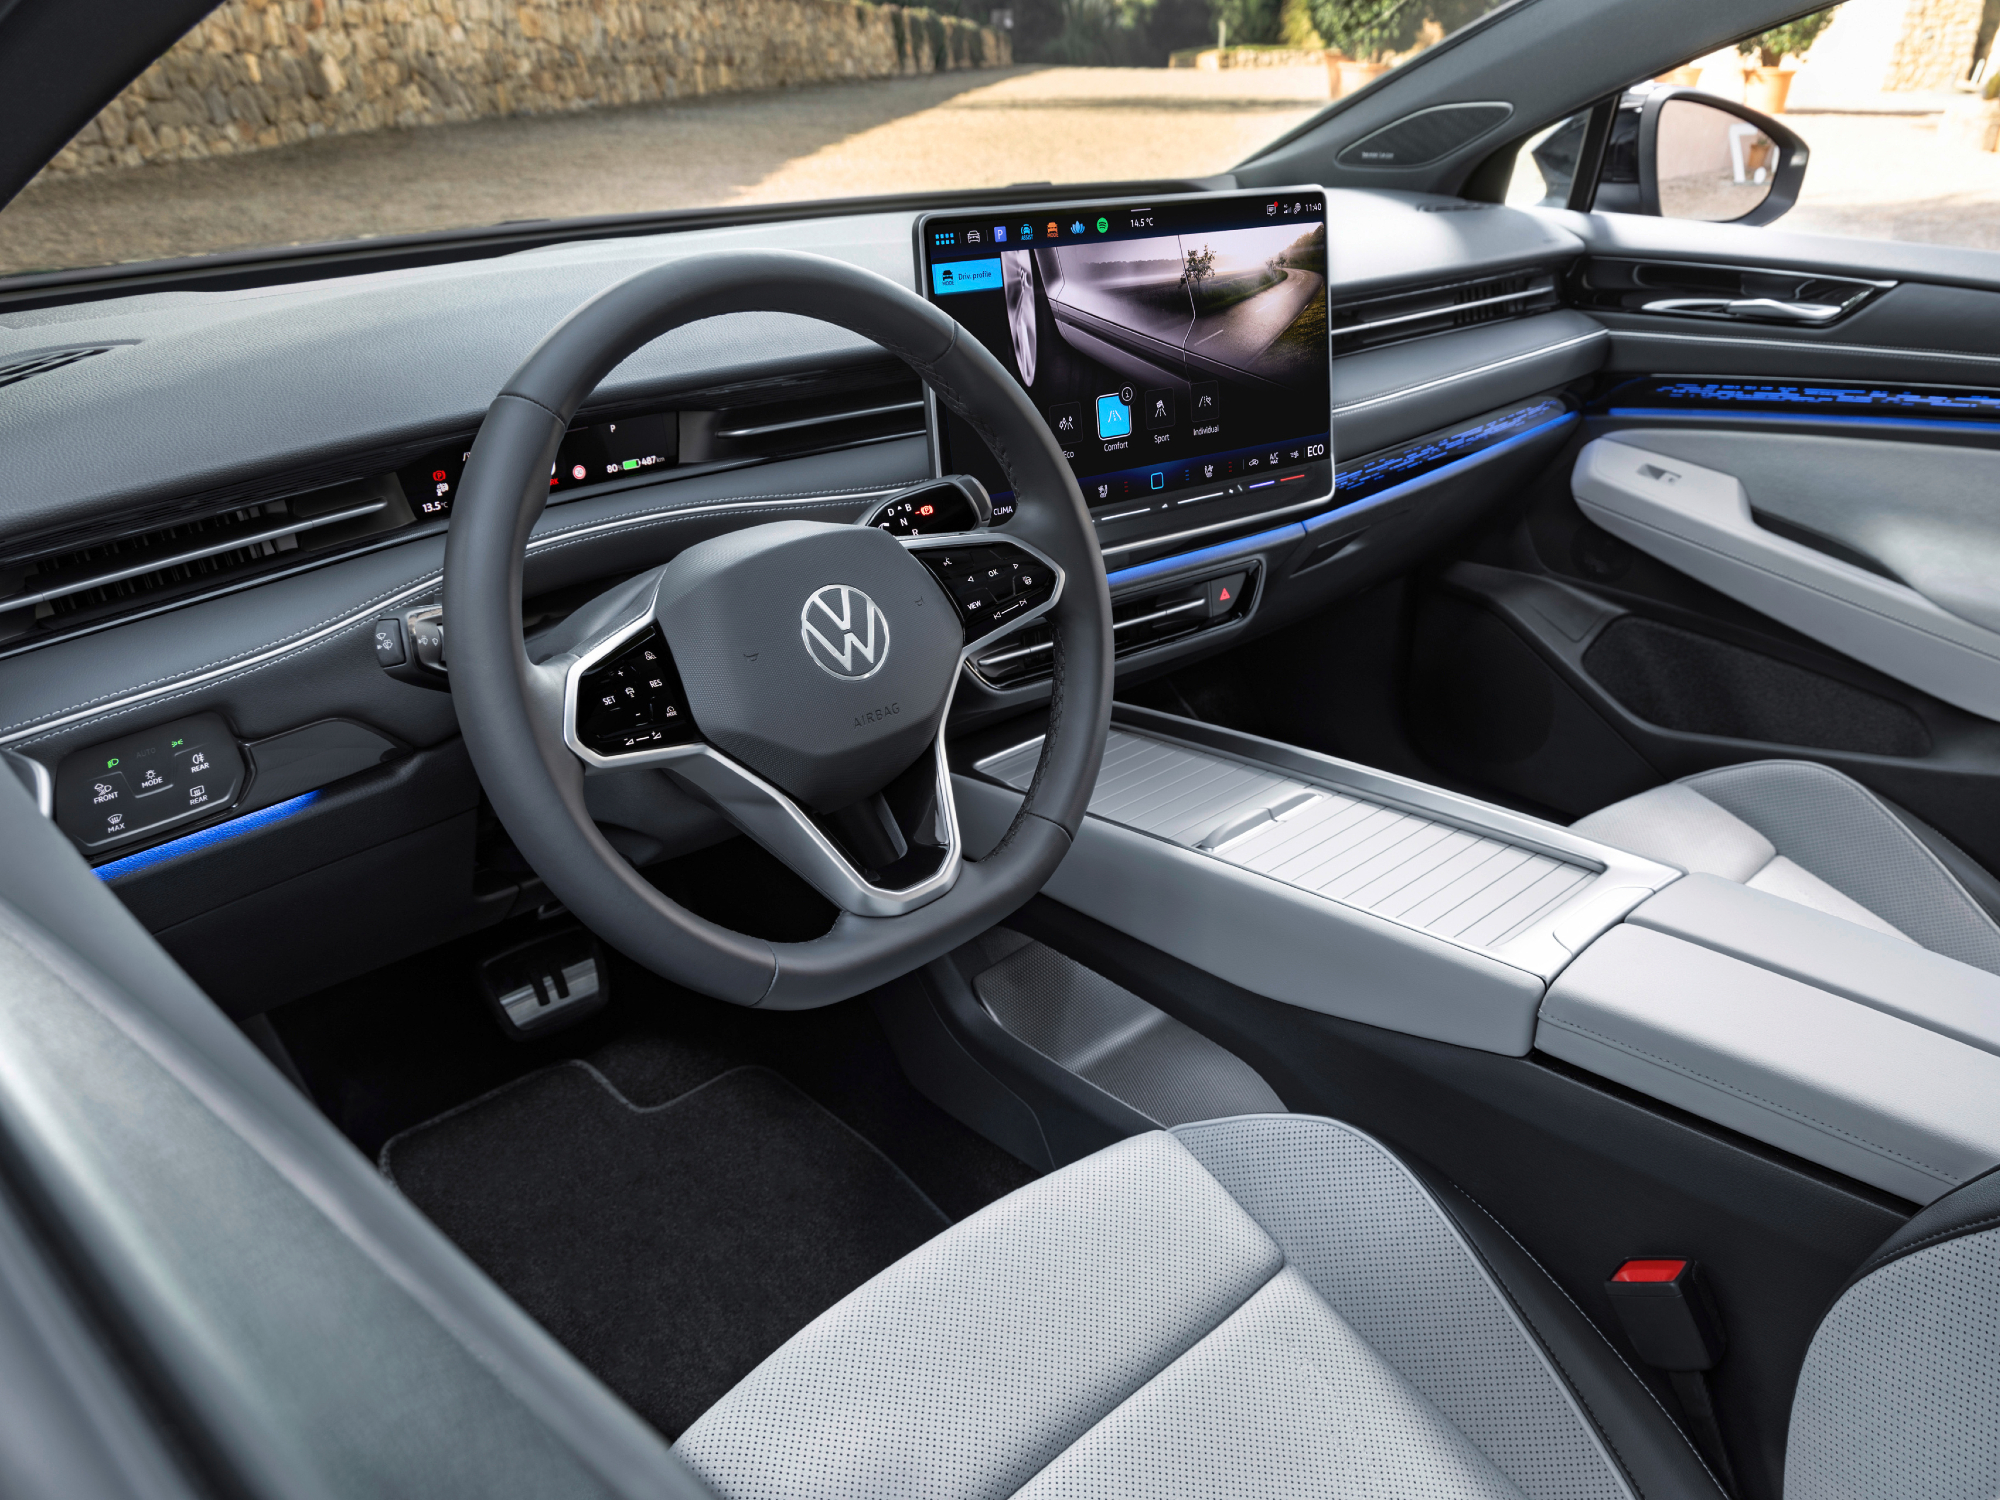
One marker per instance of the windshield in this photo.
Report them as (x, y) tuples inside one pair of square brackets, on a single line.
[(282, 122)]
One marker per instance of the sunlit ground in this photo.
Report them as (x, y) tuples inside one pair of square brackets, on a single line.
[(1889, 177), (944, 131)]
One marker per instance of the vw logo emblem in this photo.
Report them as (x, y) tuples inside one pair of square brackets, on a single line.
[(845, 631)]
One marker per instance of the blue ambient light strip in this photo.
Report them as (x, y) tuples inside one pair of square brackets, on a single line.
[(1661, 400), (1297, 530), (221, 833), (1413, 460)]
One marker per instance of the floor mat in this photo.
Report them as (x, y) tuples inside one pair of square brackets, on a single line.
[(672, 1247)]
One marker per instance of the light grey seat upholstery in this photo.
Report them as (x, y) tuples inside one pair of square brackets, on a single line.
[(1806, 832), (1276, 1305), (1268, 1305)]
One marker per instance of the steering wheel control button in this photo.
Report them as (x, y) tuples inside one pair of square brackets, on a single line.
[(125, 790), (845, 631), (992, 585), (633, 700)]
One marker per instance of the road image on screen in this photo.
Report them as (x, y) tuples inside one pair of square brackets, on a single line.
[(1161, 359)]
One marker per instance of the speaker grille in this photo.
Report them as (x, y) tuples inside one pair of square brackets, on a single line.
[(1424, 137)]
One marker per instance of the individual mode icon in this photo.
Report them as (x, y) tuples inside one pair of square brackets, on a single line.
[(1205, 400), (1114, 416)]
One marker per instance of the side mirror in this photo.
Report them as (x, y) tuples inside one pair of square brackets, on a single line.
[(1683, 154)]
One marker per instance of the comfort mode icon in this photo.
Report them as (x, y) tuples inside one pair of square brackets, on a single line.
[(1114, 416)]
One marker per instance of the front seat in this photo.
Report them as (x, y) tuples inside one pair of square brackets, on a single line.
[(1804, 831), (1276, 1305), (1266, 1305)]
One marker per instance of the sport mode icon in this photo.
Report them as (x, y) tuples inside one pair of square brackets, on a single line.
[(845, 632)]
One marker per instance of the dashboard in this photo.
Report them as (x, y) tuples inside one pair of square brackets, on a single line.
[(226, 513)]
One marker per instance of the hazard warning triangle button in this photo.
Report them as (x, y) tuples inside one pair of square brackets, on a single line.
[(1224, 595)]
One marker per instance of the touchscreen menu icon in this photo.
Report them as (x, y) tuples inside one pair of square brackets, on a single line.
[(1205, 399), (1159, 409), (1114, 416), (1065, 419)]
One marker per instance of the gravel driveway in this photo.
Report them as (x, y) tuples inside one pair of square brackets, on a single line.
[(836, 140)]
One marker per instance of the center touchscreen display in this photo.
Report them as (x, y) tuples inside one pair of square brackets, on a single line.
[(1172, 345)]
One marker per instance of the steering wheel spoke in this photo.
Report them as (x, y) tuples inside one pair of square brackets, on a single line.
[(624, 707)]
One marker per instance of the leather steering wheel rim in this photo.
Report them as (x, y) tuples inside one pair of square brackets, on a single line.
[(535, 781)]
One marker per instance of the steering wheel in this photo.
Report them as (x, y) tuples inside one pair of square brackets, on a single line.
[(795, 675)]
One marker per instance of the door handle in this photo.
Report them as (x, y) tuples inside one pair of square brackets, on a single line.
[(1753, 309)]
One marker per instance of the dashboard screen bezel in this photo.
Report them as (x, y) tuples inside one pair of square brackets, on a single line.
[(1033, 209)]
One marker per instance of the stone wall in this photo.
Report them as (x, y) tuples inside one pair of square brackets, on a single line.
[(1934, 50), (262, 73)]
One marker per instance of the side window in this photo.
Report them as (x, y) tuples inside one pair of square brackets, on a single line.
[(1896, 103)]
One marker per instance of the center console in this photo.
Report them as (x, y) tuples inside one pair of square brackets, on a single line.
[(1335, 888), (1323, 883)]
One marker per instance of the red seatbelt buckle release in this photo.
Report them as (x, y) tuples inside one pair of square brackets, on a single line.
[(1668, 1313)]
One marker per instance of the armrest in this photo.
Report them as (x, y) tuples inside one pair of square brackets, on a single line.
[(1842, 1083)]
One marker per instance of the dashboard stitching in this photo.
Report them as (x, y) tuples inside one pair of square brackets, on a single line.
[(346, 621), (1796, 345), (1499, 364), (224, 661)]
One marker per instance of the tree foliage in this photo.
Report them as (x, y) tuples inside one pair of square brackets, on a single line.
[(1789, 40), (1358, 28)]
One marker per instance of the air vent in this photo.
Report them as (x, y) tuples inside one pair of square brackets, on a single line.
[(63, 588), (1138, 621), (1426, 136), (1392, 317), (29, 366), (783, 429)]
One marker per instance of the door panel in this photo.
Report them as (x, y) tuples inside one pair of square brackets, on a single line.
[(1819, 579), (1889, 560)]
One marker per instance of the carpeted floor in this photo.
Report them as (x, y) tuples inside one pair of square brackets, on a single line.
[(669, 1246)]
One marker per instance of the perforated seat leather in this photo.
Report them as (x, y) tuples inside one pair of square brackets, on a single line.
[(1806, 832), (1269, 1305), (1276, 1305)]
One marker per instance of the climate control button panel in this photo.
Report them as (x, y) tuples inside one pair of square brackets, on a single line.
[(133, 788)]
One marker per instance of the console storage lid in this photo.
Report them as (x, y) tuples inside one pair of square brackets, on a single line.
[(1851, 1048)]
